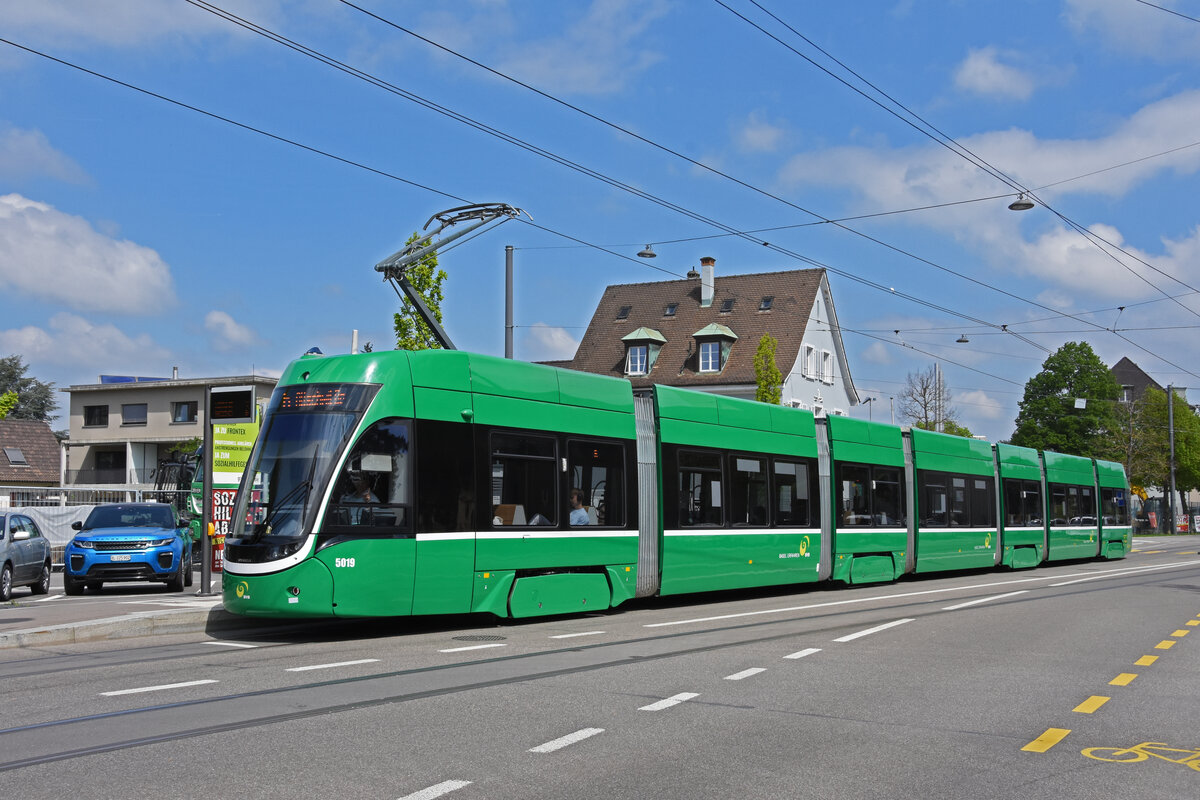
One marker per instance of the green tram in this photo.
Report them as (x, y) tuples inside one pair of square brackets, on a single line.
[(444, 482)]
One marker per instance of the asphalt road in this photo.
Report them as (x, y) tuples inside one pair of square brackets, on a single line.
[(979, 685)]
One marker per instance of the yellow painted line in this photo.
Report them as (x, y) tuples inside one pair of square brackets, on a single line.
[(1193, 622), (1149, 552), (1091, 704), (1166, 644), (1181, 632), (1051, 737), (1124, 679), (1146, 661)]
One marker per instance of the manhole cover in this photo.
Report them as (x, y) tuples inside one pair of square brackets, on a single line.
[(478, 638)]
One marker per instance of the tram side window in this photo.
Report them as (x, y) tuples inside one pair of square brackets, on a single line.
[(869, 496), (888, 500), (958, 502), (747, 491), (373, 496), (1084, 512), (1116, 510), (934, 503), (597, 471), (1022, 502), (793, 500), (445, 477), (699, 489), (983, 506), (1058, 504), (524, 480)]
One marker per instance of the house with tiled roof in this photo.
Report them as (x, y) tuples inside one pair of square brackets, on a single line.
[(30, 456), (703, 332), (1132, 379)]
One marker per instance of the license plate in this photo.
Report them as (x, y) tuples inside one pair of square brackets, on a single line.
[(120, 557)]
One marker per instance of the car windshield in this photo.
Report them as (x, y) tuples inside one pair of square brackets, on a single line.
[(130, 516), (295, 453)]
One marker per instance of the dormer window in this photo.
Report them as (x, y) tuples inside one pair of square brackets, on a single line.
[(713, 345), (765, 304), (726, 306), (623, 312), (710, 356), (15, 457), (669, 311), (641, 350)]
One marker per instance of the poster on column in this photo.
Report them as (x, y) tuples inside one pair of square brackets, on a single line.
[(230, 452)]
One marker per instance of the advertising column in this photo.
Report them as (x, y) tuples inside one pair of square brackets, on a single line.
[(230, 452)]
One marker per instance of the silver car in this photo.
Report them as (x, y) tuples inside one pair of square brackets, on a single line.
[(24, 556)]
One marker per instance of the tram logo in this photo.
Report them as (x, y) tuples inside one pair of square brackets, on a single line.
[(804, 547), (242, 590)]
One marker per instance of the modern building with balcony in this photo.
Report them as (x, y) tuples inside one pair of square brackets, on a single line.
[(123, 429)]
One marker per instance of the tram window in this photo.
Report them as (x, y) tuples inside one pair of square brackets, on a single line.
[(958, 502), (373, 495), (1058, 504), (445, 477), (524, 480), (793, 501), (1085, 509), (1073, 505), (934, 505), (597, 470), (699, 489), (747, 491), (1116, 510), (854, 501), (888, 499), (983, 506), (1022, 502)]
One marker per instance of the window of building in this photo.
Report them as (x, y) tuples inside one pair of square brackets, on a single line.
[(184, 412), (133, 414), (1126, 394), (808, 367), (623, 312), (765, 303), (699, 489), (524, 480), (826, 366), (636, 359), (16, 457), (95, 416), (597, 474), (726, 306), (710, 356), (669, 311)]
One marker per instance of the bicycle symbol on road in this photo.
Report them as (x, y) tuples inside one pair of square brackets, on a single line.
[(1143, 751)]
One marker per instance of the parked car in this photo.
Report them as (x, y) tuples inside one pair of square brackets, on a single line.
[(128, 542), (24, 556)]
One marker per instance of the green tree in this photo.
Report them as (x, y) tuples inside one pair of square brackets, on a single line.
[(7, 401), (1147, 445), (948, 426), (767, 377), (1049, 417), (35, 399), (411, 331)]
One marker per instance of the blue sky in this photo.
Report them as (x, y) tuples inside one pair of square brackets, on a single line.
[(137, 235)]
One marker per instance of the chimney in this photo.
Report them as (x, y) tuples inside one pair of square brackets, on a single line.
[(174, 373), (707, 267)]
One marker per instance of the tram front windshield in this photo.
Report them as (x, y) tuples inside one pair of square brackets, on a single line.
[(306, 430)]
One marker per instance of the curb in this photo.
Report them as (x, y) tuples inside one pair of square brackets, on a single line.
[(139, 623)]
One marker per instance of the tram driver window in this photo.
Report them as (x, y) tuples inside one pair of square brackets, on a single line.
[(372, 496), (523, 480)]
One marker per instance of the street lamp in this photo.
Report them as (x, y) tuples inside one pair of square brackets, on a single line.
[(869, 402), (648, 252), (1022, 203)]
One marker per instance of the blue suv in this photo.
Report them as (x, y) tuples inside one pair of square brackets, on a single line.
[(128, 542)]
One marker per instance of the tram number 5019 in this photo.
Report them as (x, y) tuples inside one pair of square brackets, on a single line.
[(343, 562)]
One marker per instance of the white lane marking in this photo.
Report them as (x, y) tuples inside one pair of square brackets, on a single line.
[(1125, 572), (472, 647), (231, 644), (746, 673), (673, 700), (563, 741), (852, 636), (445, 787), (51, 597), (573, 635), (163, 687), (802, 653), (331, 666), (984, 600), (903, 595)]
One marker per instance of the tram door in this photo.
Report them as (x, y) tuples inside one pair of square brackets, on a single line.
[(372, 554)]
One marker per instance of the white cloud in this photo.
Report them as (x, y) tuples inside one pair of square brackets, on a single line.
[(877, 353), (227, 333), (980, 405), (757, 135), (1137, 28), (543, 342), (73, 341), (122, 23), (28, 153), (983, 72), (48, 255), (599, 54)]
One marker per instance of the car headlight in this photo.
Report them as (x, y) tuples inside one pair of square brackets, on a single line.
[(86, 545), (162, 542)]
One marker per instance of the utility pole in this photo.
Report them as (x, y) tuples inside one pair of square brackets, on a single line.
[(508, 301), (1171, 433)]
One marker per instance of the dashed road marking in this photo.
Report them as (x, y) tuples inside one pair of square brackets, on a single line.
[(802, 653), (746, 673), (232, 644), (1192, 622), (1181, 633), (333, 665), (472, 647), (573, 635), (1051, 737), (1146, 661), (160, 688), (1165, 644), (852, 636), (984, 600), (1091, 704), (445, 787), (673, 700), (1124, 679), (569, 739)]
